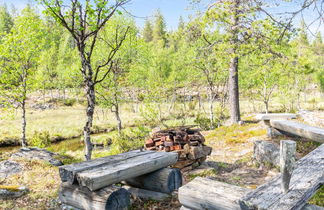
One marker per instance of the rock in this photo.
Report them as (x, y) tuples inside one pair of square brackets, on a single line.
[(8, 168), (38, 154), (9, 192), (42, 106), (266, 153)]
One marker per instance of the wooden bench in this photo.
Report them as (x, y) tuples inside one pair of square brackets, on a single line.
[(299, 129), (276, 116), (306, 178), (90, 184)]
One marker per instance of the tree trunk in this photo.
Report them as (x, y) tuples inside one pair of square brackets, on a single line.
[(119, 122), (90, 93), (23, 124), (211, 109), (234, 91)]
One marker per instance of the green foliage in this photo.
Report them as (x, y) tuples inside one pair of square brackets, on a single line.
[(6, 20), (40, 139), (204, 122)]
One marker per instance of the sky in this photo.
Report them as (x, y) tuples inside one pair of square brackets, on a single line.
[(173, 9), (140, 9)]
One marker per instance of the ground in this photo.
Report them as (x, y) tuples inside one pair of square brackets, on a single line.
[(229, 162)]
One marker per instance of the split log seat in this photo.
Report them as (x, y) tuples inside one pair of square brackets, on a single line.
[(299, 129), (307, 177)]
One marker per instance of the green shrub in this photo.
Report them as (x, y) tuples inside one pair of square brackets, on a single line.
[(204, 122), (40, 139), (69, 102)]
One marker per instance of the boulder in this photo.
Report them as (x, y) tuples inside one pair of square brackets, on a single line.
[(8, 168), (266, 153), (38, 154)]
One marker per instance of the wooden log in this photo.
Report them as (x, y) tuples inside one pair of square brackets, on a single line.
[(305, 180), (276, 116), (164, 180), (68, 172), (111, 197), (287, 162), (299, 129), (203, 193), (115, 172), (312, 207), (146, 194), (266, 153), (272, 132), (199, 152)]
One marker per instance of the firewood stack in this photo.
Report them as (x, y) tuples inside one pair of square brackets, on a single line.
[(187, 141)]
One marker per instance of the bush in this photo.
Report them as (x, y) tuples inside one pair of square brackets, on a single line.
[(40, 139), (69, 102), (204, 122)]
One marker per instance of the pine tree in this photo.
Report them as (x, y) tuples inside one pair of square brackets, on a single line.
[(181, 24), (6, 21), (318, 39), (147, 31), (159, 31), (303, 34)]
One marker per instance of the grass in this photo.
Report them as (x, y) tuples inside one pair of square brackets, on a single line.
[(42, 180), (235, 134)]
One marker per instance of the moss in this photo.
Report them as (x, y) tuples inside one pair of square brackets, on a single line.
[(13, 188), (205, 173), (318, 197), (235, 134)]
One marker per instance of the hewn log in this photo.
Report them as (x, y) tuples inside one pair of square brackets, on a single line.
[(299, 129), (305, 180), (266, 153), (164, 180), (312, 207), (272, 132), (68, 172), (275, 116), (287, 162), (111, 197), (197, 152), (146, 194), (115, 172), (203, 193)]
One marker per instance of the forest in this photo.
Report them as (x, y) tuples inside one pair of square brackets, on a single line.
[(81, 79)]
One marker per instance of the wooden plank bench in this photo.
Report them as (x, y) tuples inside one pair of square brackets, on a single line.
[(276, 116), (307, 177), (299, 129), (204, 193), (90, 184)]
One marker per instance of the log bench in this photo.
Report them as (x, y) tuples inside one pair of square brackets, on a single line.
[(298, 129), (304, 180), (91, 184)]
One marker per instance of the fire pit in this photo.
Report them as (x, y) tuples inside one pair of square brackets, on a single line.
[(187, 141)]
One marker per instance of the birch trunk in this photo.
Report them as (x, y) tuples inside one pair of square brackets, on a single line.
[(233, 69)]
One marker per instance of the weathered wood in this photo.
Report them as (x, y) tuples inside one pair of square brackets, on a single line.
[(146, 194), (203, 193), (115, 172), (164, 180), (305, 180), (275, 116), (299, 129), (312, 207), (197, 152), (266, 153), (287, 162), (184, 208), (272, 132), (111, 197), (68, 172)]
